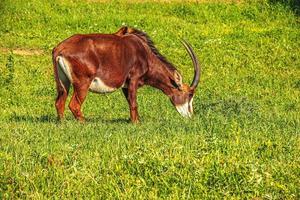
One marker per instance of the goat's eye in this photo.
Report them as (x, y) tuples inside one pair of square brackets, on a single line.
[(174, 83)]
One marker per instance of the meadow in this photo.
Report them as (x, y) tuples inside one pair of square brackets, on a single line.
[(242, 142)]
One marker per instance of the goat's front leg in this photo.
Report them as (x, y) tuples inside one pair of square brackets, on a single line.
[(130, 94)]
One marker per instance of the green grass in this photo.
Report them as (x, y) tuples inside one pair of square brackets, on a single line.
[(242, 143)]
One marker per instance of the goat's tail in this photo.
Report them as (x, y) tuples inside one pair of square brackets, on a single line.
[(61, 79)]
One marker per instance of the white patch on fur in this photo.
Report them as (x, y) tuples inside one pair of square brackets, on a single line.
[(99, 86), (64, 70), (186, 109)]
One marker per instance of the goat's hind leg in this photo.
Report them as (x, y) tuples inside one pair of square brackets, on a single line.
[(78, 97), (62, 94), (63, 86)]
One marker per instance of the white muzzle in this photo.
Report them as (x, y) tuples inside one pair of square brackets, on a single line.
[(186, 109)]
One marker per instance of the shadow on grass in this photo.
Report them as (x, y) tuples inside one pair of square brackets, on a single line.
[(230, 107), (27, 118), (53, 119), (108, 121), (294, 5)]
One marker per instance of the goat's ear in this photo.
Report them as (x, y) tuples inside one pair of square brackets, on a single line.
[(178, 78)]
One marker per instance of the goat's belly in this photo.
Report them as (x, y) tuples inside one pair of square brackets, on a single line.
[(98, 86)]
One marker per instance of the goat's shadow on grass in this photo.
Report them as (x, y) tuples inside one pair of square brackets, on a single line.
[(107, 121), (28, 118), (53, 119)]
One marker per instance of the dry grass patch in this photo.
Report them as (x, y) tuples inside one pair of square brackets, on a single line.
[(23, 52)]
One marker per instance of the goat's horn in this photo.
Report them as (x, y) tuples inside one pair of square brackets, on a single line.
[(197, 68)]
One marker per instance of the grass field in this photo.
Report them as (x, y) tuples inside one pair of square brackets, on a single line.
[(242, 143)]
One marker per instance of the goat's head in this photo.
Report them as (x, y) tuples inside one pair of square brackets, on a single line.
[(183, 94)]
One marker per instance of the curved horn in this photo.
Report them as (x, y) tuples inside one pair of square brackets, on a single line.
[(197, 68)]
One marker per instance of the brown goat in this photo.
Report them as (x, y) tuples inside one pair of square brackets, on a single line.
[(126, 59)]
